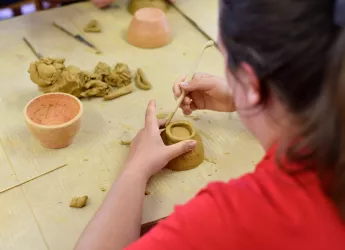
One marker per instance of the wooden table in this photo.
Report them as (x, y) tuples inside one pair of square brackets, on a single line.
[(36, 215), (202, 13)]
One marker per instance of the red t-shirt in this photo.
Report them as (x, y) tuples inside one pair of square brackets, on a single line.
[(264, 210)]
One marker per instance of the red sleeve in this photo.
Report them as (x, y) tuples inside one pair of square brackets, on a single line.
[(215, 219)]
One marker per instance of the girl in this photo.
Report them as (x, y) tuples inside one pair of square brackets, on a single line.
[(285, 73)]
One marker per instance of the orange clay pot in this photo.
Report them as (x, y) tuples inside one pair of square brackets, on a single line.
[(149, 29), (54, 119)]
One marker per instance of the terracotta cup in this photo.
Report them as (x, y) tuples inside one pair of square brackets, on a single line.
[(179, 131), (149, 29), (54, 119)]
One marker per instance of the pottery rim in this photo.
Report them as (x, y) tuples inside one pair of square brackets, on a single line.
[(62, 125), (154, 14), (184, 124)]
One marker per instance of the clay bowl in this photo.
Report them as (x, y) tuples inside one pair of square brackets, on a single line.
[(180, 131), (149, 29), (54, 119)]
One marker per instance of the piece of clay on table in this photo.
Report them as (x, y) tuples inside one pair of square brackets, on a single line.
[(46, 71), (141, 80), (119, 92), (51, 75), (179, 131), (79, 202), (162, 116), (135, 5), (120, 76), (93, 26)]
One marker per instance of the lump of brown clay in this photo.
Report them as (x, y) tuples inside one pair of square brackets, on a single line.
[(141, 80), (180, 131), (135, 5), (93, 26), (51, 75), (120, 76), (68, 82), (119, 92), (95, 88), (78, 202), (102, 69), (46, 71)]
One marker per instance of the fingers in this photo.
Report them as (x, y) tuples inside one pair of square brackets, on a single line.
[(176, 87), (150, 116), (200, 82), (187, 100), (188, 107), (180, 148)]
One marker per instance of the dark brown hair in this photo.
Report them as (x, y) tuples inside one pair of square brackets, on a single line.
[(299, 54)]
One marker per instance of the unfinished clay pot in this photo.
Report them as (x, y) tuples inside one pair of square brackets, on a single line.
[(149, 29), (54, 119), (136, 5), (179, 131)]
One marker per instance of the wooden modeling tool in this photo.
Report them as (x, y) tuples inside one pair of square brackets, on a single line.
[(189, 77), (76, 36), (37, 54)]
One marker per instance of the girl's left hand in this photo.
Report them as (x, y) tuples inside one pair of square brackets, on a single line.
[(148, 154)]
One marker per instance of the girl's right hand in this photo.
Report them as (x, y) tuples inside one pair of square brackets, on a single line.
[(204, 91)]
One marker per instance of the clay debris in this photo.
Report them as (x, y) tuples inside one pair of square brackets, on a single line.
[(93, 26), (79, 202), (51, 75)]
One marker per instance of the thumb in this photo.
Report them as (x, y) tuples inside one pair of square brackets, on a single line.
[(180, 148)]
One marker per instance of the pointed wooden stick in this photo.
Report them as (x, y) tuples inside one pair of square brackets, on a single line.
[(189, 78)]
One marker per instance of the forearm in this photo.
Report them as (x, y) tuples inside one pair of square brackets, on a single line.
[(117, 222)]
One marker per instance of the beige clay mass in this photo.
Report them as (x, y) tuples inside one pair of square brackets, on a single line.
[(51, 75), (93, 26)]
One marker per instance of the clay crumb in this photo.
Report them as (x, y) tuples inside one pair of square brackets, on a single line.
[(125, 143), (210, 160), (161, 116), (147, 193), (78, 202), (86, 160), (226, 153), (93, 26), (209, 174), (102, 189)]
